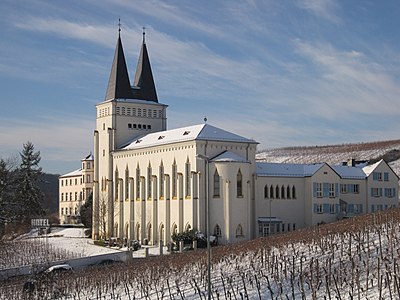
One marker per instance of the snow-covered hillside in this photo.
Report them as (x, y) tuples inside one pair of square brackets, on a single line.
[(356, 258), (335, 154)]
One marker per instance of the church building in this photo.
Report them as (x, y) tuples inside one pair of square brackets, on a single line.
[(150, 182)]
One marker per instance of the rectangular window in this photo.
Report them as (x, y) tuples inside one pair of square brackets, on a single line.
[(318, 208), (331, 190), (319, 190), (376, 192), (62, 210), (386, 176), (148, 126), (129, 125), (76, 196), (70, 196), (389, 192), (377, 176), (88, 178), (332, 209), (343, 188), (62, 196)]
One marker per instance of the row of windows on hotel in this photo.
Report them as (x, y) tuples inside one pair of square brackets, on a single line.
[(327, 208), (71, 210), (77, 181), (331, 190), (133, 112), (70, 196), (163, 177)]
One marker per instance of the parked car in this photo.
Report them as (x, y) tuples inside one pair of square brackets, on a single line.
[(134, 245), (57, 268)]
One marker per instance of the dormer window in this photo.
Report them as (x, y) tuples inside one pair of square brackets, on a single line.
[(161, 137), (186, 132), (138, 141)]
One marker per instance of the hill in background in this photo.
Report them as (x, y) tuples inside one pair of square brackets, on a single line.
[(336, 154)]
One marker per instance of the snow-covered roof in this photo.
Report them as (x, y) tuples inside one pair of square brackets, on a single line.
[(89, 157), (73, 173), (369, 169), (287, 170), (195, 132), (228, 156), (349, 172)]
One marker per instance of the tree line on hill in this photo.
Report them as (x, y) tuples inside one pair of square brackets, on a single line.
[(21, 197)]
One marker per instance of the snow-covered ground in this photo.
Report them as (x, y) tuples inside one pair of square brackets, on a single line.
[(73, 240)]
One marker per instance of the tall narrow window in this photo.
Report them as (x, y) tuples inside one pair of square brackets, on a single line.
[(149, 171), (137, 182), (271, 192), (283, 192), (187, 178), (174, 180), (288, 196), (277, 192), (266, 190), (161, 179), (126, 183), (116, 184), (239, 230), (239, 184), (216, 184)]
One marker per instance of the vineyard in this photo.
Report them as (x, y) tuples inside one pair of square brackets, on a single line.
[(356, 258), (335, 154)]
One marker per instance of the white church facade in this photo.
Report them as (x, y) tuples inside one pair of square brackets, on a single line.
[(150, 182)]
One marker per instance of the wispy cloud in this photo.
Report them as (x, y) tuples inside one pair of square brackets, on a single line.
[(351, 80), (326, 9)]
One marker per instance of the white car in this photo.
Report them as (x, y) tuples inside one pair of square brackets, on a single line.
[(62, 267)]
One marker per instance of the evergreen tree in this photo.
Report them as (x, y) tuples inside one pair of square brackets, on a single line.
[(29, 197), (86, 212)]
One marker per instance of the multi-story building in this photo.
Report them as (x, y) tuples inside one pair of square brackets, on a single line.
[(150, 182), (74, 189)]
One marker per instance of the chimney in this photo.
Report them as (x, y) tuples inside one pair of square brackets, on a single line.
[(351, 162)]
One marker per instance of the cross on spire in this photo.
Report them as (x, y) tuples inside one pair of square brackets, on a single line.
[(119, 25), (144, 33)]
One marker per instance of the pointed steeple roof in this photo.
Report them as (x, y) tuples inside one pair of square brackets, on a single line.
[(143, 85), (118, 84)]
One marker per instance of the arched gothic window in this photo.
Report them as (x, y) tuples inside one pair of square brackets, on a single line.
[(266, 190), (161, 179), (271, 192), (137, 182), (283, 192), (217, 231), (174, 180), (239, 230), (239, 184), (149, 181), (216, 184), (293, 192), (277, 192), (187, 178), (288, 192)]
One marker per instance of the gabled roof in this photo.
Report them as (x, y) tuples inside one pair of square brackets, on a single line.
[(195, 132), (73, 173), (348, 172), (228, 156), (369, 169), (287, 170), (118, 84), (143, 85)]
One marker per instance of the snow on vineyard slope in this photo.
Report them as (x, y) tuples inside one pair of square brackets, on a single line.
[(332, 154)]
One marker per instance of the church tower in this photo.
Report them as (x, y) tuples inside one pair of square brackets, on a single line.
[(126, 113)]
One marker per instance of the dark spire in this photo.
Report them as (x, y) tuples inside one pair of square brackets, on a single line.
[(143, 85), (118, 85)]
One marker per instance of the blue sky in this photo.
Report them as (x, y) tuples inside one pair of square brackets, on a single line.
[(286, 73)]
